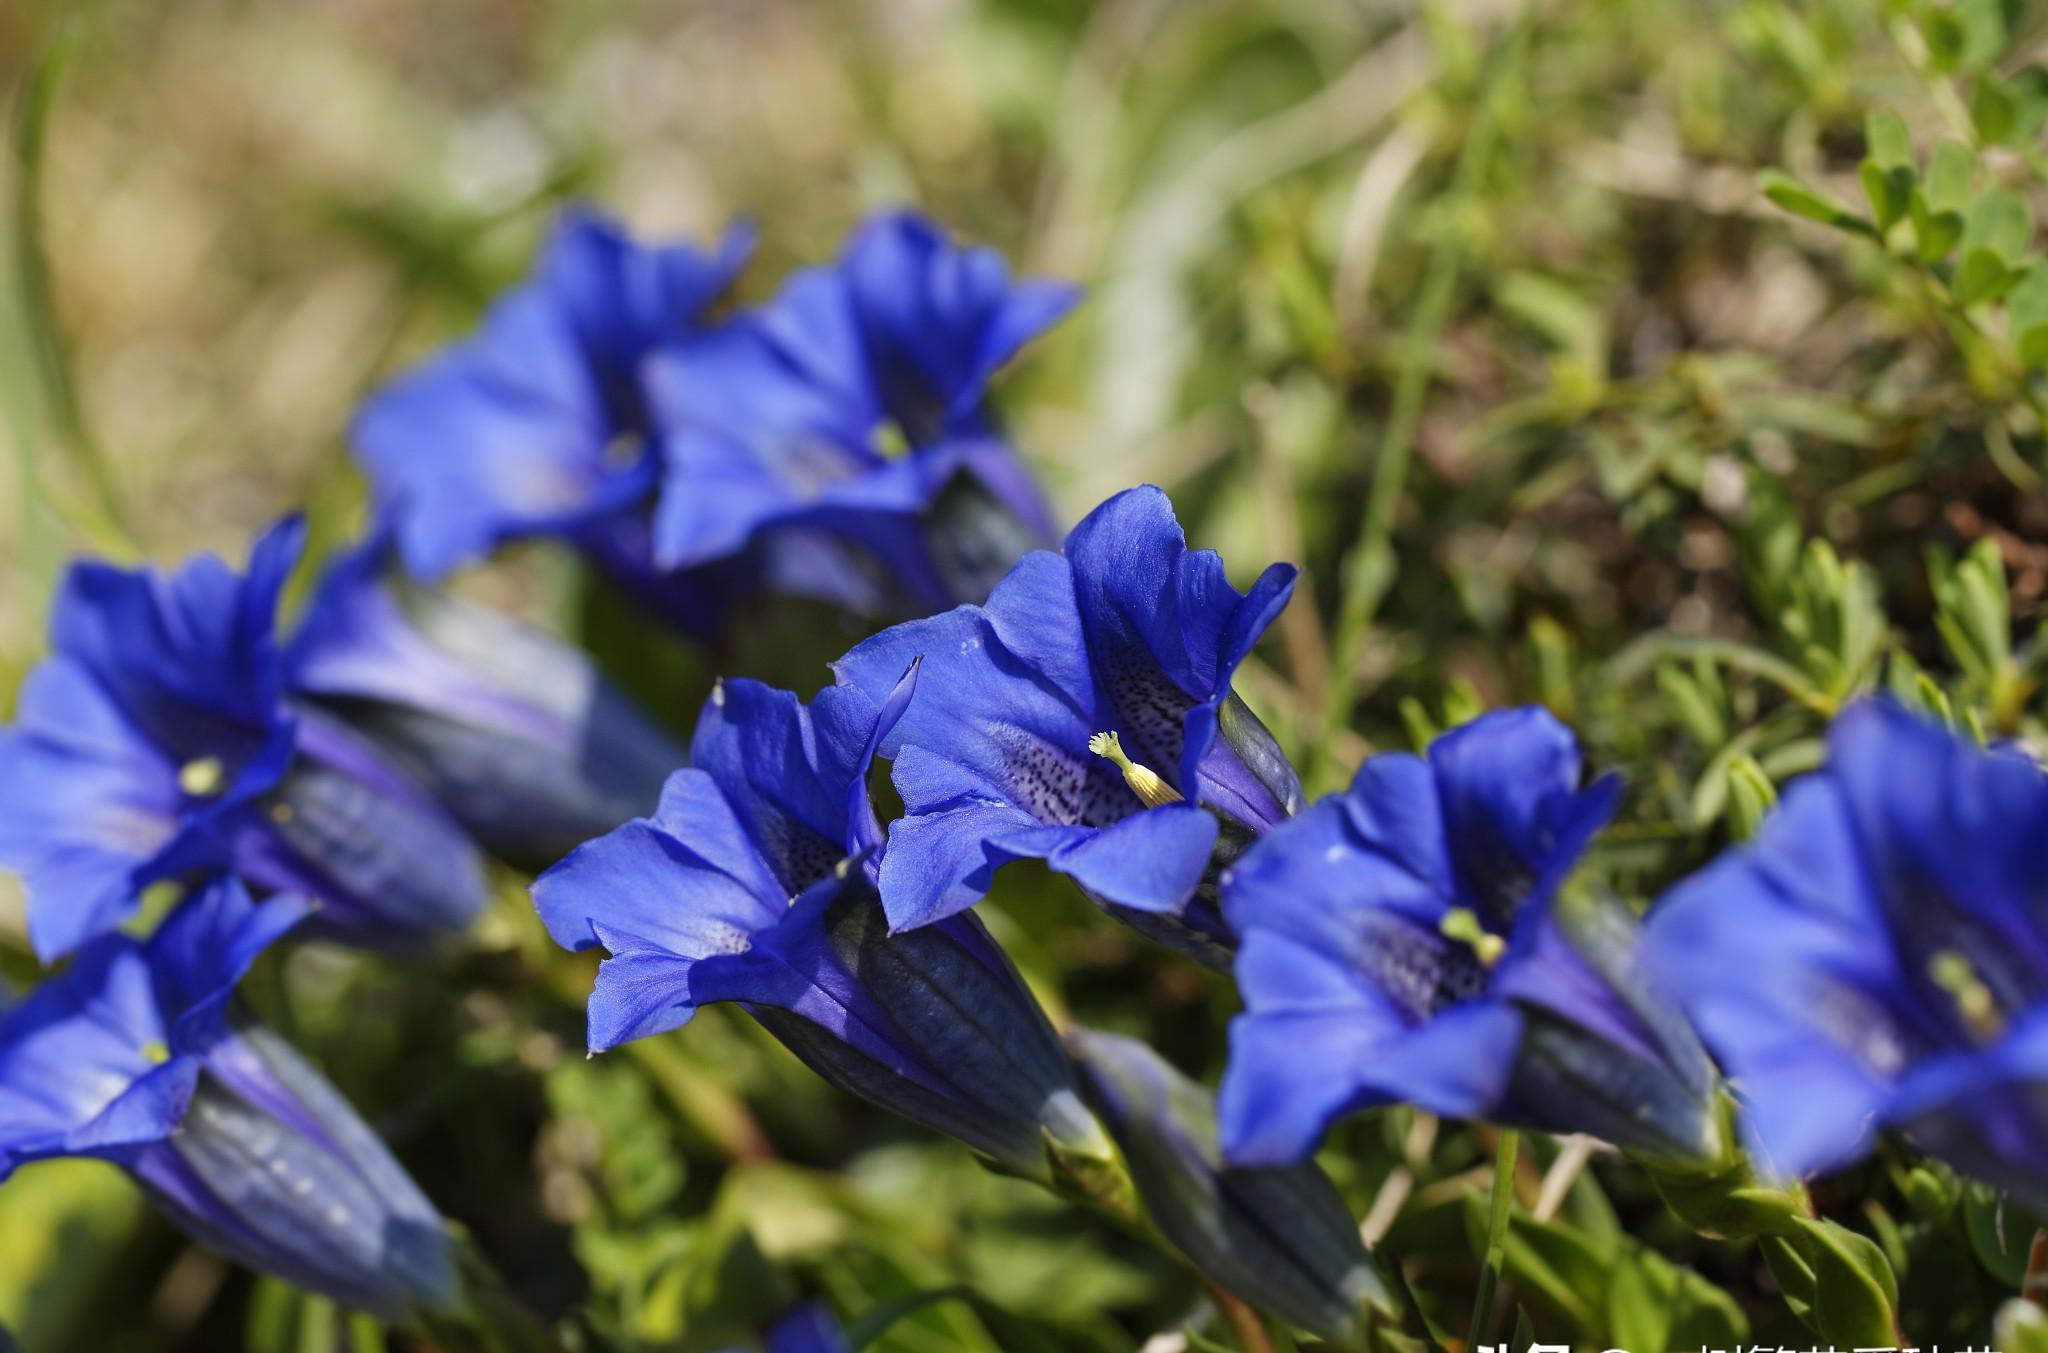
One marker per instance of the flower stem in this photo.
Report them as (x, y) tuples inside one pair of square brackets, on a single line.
[(1241, 1320), (1496, 1236)]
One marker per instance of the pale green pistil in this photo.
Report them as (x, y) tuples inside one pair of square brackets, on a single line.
[(203, 777), (1463, 926), (889, 440), (1954, 974), (1151, 790)]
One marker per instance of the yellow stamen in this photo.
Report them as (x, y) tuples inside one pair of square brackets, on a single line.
[(889, 440), (1152, 791), (202, 778), (1953, 973), (1463, 926), (155, 1052)]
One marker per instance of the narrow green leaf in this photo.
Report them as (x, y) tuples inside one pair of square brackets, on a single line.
[(1751, 796), (1791, 195), (1496, 1235), (874, 1322)]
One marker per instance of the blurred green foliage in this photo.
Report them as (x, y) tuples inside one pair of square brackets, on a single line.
[(1678, 366)]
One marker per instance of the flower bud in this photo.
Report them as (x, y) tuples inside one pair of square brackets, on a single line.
[(272, 1168), (969, 1053), (132, 1055), (1279, 1238), (515, 733)]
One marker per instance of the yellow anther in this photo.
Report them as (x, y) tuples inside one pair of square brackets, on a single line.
[(1463, 926), (1152, 791), (155, 1052), (1954, 974), (203, 777), (889, 440)]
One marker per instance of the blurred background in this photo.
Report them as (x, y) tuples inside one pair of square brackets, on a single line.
[(1472, 307)]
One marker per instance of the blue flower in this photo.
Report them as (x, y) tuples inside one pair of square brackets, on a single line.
[(1280, 1238), (1128, 633), (853, 408), (156, 742), (1406, 940), (753, 883), (1878, 957), (515, 733), (539, 425), (135, 1055), (807, 1329)]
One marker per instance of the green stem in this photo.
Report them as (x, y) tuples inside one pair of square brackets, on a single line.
[(32, 267), (1496, 1236), (1241, 1320), (1370, 569), (492, 1319)]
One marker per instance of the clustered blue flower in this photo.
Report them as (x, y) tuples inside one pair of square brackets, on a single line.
[(836, 442), (1876, 960)]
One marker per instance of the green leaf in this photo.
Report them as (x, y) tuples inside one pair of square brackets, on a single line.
[(875, 1321), (1704, 1316), (1964, 36), (1888, 170), (1950, 167), (2029, 92), (2000, 223), (1836, 1281), (1564, 314), (1794, 1276), (1940, 201), (1889, 143), (1641, 1302), (1688, 704), (1993, 111), (1890, 191), (1945, 39), (1751, 796), (2021, 1327), (2000, 1231), (1793, 196), (1981, 277), (2026, 309), (1552, 1264)]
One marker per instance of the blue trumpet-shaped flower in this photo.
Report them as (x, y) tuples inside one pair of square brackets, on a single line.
[(134, 1055), (808, 1329), (1280, 1238), (753, 883), (1118, 653), (539, 425), (156, 742), (516, 733), (1878, 957), (853, 407), (1406, 940)]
